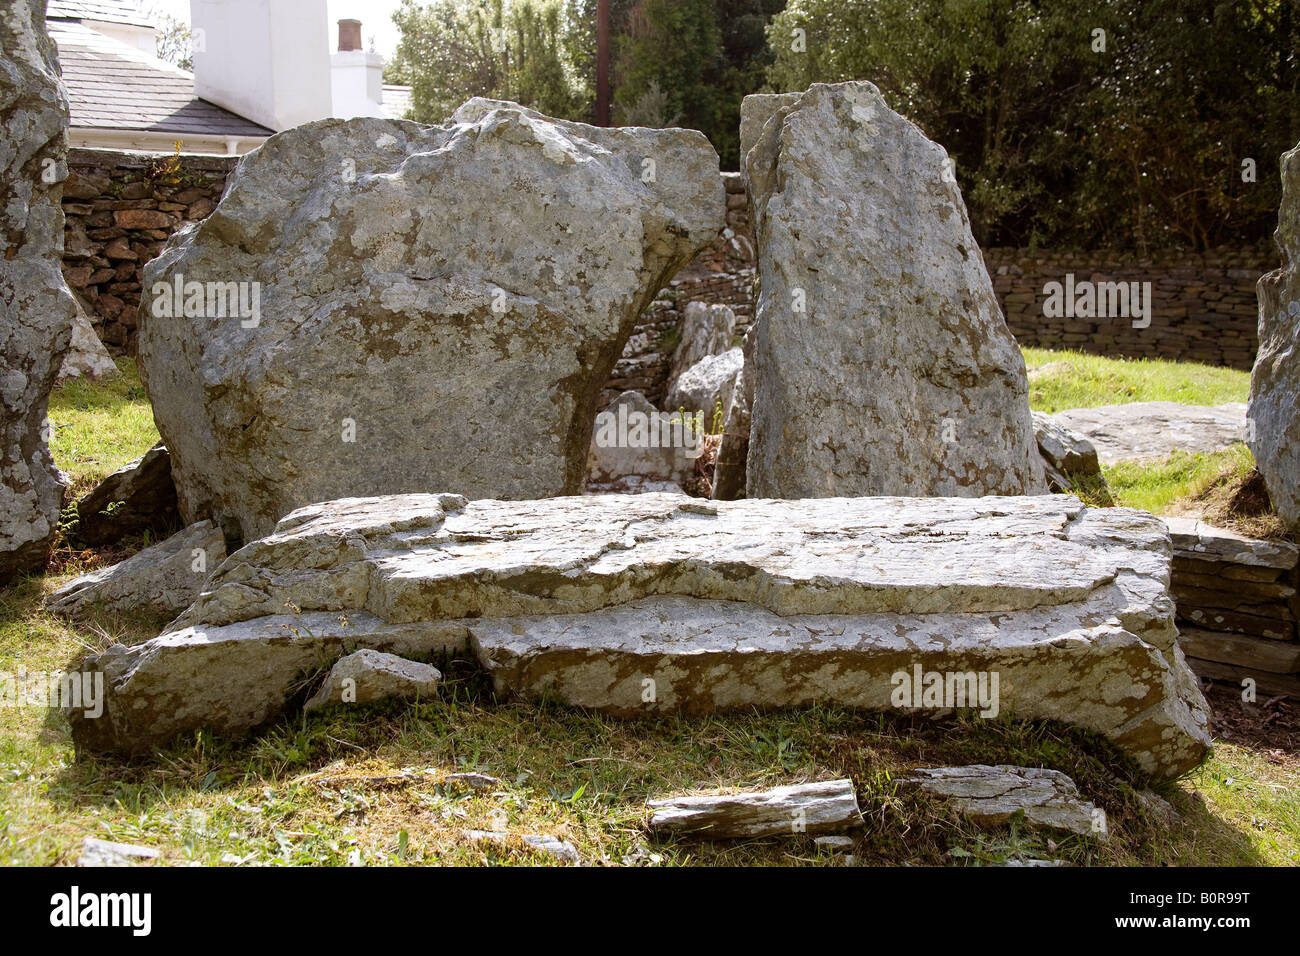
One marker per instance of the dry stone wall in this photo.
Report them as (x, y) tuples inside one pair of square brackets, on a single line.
[(119, 208)]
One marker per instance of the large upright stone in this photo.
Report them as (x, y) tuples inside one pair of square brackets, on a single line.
[(36, 305), (644, 605), (1274, 412), (882, 363), (439, 307)]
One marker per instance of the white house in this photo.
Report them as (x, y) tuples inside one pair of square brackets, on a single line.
[(260, 66)]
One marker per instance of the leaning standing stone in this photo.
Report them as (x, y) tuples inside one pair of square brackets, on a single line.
[(419, 308), (1274, 412), (36, 306), (882, 363)]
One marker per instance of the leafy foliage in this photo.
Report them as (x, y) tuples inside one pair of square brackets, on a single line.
[(1132, 137)]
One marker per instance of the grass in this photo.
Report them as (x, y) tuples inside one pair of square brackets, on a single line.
[(100, 426), (1078, 380), (337, 788), (313, 791)]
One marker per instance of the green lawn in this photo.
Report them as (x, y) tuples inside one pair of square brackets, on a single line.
[(1077, 380), (331, 789), (312, 791), (97, 427)]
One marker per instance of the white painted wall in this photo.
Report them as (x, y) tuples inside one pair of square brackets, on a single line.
[(356, 79), (267, 60)]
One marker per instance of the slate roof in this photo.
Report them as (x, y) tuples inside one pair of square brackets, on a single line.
[(113, 86), (106, 11)]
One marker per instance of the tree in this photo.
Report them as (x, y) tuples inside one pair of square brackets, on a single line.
[(1076, 122), (516, 50)]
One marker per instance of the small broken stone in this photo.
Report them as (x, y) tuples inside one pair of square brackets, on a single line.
[(96, 852), (829, 806), (366, 676), (990, 795)]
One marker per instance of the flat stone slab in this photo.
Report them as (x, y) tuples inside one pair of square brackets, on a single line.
[(659, 603), (1143, 430), (164, 578), (1193, 538), (830, 806), (991, 795)]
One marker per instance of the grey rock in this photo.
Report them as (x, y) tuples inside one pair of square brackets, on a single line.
[(1066, 454), (139, 496), (36, 305), (830, 806), (1275, 379), (991, 795), (96, 852), (86, 357), (729, 468), (367, 676), (1194, 539), (633, 439), (707, 329), (882, 362), (755, 111), (164, 578), (417, 328), (719, 605), (475, 781), (707, 386), (544, 842), (1140, 431)]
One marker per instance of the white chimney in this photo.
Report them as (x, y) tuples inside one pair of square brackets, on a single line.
[(263, 59), (356, 77)]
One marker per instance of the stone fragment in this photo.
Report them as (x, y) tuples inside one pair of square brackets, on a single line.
[(96, 852), (546, 843), (641, 605), (1193, 538), (707, 329), (707, 386), (1275, 378), (139, 496), (1066, 454), (991, 795), (164, 578), (367, 676), (36, 305), (830, 806), (413, 330), (1139, 431), (733, 449), (86, 357)]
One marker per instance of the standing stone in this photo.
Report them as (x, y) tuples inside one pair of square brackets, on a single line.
[(707, 329), (1274, 412), (438, 307), (882, 363), (733, 449), (36, 305)]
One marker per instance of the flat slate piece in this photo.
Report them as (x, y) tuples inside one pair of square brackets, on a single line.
[(661, 603)]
